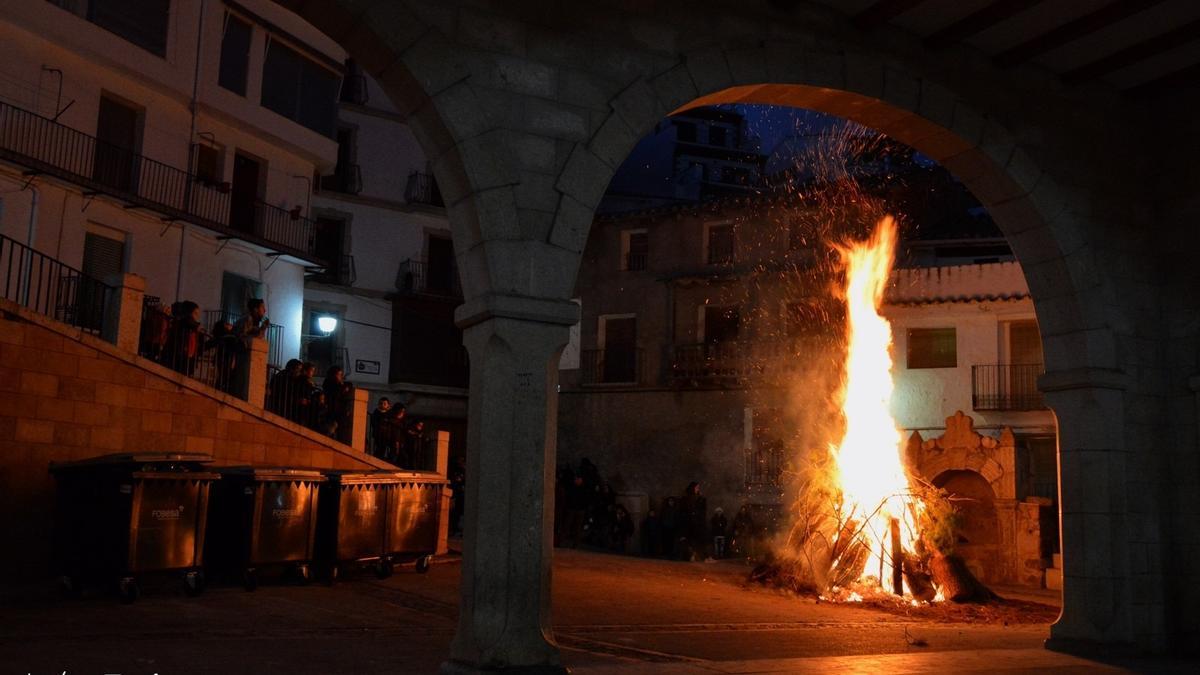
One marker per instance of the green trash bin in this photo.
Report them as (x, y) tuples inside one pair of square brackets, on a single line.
[(263, 519), (121, 517), (353, 520)]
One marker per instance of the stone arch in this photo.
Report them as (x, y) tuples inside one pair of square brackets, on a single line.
[(527, 113)]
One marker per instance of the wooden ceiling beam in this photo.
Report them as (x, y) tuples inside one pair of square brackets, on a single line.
[(1072, 30), (1159, 44), (882, 12), (977, 22)]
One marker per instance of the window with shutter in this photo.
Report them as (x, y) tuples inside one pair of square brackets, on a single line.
[(103, 256)]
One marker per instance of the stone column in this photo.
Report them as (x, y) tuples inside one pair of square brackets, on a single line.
[(254, 375), (1100, 610), (358, 423), (504, 614), (123, 314)]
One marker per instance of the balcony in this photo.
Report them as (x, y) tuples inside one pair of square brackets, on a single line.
[(765, 466), (339, 271), (1006, 387), (732, 362), (422, 188), (614, 365), (416, 277), (45, 147)]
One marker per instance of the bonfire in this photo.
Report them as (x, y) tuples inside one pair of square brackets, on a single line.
[(862, 525)]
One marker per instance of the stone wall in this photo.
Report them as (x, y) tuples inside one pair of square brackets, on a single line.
[(66, 395)]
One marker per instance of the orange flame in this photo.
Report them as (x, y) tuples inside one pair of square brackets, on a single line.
[(870, 470)]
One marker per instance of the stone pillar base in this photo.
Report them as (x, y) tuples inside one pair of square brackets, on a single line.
[(1093, 649)]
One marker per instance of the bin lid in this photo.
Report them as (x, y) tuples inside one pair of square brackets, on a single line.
[(357, 477), (135, 458), (419, 477), (272, 473)]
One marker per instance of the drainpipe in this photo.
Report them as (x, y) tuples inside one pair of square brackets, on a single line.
[(193, 106), (29, 238)]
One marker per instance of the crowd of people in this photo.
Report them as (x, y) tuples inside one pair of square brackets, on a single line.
[(327, 408), (395, 437), (586, 512), (176, 337)]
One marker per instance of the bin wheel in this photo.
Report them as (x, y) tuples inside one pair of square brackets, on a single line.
[(423, 564), (250, 579), (128, 590), (193, 583), (384, 569), (303, 575)]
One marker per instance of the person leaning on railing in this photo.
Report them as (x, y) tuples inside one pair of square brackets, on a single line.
[(253, 325)]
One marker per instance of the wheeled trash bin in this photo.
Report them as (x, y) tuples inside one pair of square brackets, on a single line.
[(353, 520), (120, 517), (263, 519), (414, 515)]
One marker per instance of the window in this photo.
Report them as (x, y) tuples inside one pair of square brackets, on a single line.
[(346, 176), (932, 348), (142, 22), (635, 249), (208, 164), (1024, 343), (685, 132), (719, 244), (721, 324), (717, 136), (299, 89), (618, 343), (354, 84), (235, 55), (103, 258)]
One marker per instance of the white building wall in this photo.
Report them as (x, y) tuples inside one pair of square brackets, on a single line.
[(957, 297), (95, 62)]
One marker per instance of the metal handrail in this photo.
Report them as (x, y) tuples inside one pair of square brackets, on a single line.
[(611, 365), (1005, 386), (422, 188), (412, 277), (45, 146), (52, 288)]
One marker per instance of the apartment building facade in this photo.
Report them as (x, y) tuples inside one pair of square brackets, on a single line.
[(172, 139), (722, 323), (392, 281)]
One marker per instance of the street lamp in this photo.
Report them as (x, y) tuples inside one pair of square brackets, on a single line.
[(327, 324)]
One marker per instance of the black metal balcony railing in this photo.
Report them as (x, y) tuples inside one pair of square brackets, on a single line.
[(733, 361), (422, 188), (339, 271), (613, 365), (764, 465), (45, 285), (1006, 387), (416, 277), (636, 261), (44, 146)]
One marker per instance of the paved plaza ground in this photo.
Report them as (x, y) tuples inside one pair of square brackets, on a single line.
[(612, 615)]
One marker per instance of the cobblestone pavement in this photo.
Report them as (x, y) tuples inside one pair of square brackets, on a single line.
[(612, 614)]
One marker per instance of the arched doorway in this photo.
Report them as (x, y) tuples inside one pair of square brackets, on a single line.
[(526, 117), (978, 530)]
